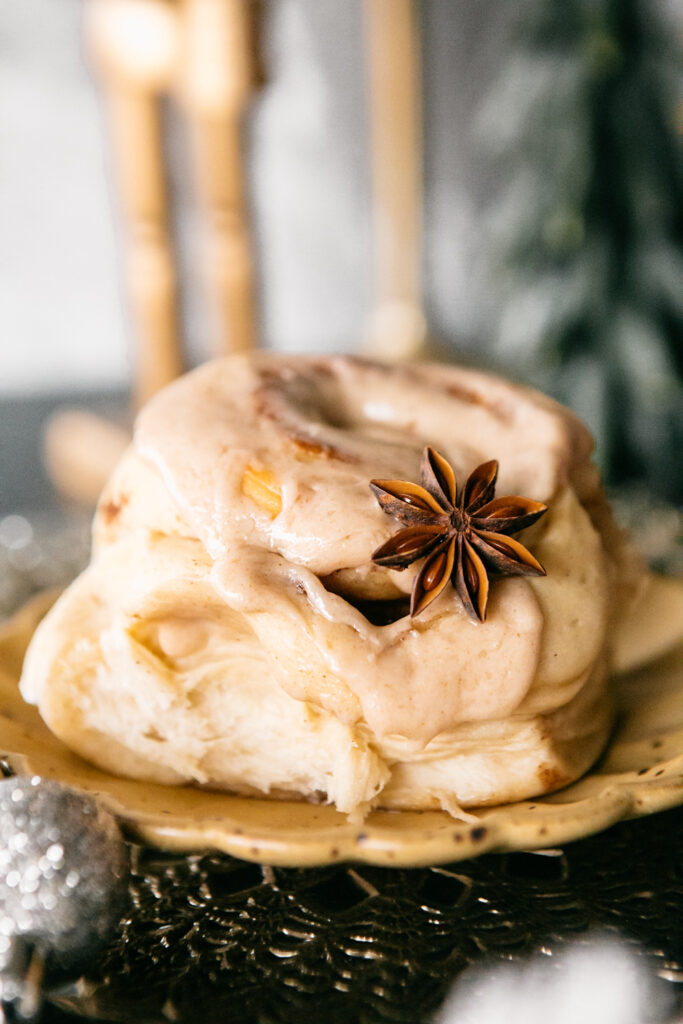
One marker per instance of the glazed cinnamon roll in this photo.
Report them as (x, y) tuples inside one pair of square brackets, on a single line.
[(236, 629)]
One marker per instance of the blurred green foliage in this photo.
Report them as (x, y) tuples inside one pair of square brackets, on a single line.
[(584, 238)]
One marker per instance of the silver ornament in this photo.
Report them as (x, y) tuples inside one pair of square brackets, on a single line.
[(63, 867)]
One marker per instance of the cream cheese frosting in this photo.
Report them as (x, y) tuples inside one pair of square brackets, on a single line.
[(239, 530), (324, 429)]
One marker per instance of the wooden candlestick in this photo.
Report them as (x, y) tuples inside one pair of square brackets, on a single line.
[(397, 328), (134, 47), (216, 81), (199, 53)]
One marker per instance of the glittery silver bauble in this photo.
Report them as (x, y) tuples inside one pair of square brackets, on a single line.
[(63, 866)]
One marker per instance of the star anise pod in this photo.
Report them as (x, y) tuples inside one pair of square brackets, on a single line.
[(462, 537)]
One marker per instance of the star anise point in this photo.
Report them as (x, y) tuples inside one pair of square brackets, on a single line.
[(462, 537)]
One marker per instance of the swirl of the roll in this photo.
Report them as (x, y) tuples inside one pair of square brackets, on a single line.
[(232, 583)]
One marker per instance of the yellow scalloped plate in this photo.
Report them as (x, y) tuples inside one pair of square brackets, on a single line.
[(641, 772)]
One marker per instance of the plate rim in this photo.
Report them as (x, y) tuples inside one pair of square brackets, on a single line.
[(385, 838)]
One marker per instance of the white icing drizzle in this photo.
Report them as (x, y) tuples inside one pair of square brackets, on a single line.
[(324, 428)]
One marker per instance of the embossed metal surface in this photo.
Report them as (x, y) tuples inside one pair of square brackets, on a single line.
[(211, 938)]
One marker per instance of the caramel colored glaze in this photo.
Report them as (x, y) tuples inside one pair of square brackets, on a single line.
[(356, 421)]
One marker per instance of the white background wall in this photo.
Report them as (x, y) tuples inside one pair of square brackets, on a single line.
[(61, 318), (63, 321)]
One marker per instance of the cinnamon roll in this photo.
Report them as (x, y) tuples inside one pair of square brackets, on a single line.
[(234, 631)]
